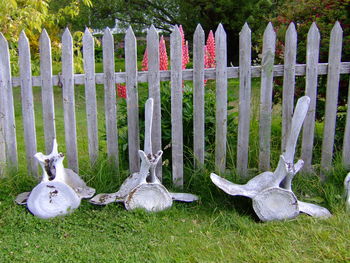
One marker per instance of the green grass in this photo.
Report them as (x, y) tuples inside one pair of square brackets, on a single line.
[(218, 228)]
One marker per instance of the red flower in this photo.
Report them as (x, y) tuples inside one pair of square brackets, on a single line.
[(163, 57), (121, 91), (145, 61), (209, 52), (185, 53), (209, 55)]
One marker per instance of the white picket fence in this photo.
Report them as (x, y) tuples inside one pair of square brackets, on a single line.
[(267, 71)]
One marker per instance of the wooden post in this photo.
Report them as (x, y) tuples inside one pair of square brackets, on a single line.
[(268, 57), (154, 92), (288, 82), (334, 59), (312, 54), (346, 141), (198, 97), (69, 101), (176, 107), (132, 100), (27, 103), (244, 100), (2, 128), (90, 95), (47, 91), (110, 96), (221, 99), (9, 115)]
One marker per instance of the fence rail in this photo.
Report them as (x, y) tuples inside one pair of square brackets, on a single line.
[(266, 71), (187, 74)]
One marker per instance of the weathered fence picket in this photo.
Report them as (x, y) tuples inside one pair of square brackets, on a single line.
[(154, 92), (221, 99), (2, 126), (90, 94), (198, 96), (334, 59), (2, 129), (346, 141), (132, 100), (267, 71), (69, 101), (245, 57), (268, 57), (47, 96), (27, 102), (312, 55), (110, 97), (176, 107), (2, 137), (290, 54), (9, 117)]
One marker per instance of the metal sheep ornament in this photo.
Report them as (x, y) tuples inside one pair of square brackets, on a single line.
[(271, 192), (143, 189), (60, 190)]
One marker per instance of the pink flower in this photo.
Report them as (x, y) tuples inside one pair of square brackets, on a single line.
[(182, 35), (209, 52), (145, 61), (163, 57), (209, 55), (185, 56), (185, 53), (121, 91)]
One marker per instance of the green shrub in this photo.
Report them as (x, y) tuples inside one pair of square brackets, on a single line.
[(187, 123)]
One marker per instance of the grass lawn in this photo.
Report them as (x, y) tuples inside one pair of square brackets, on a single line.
[(218, 228)]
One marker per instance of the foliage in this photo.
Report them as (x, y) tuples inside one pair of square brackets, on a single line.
[(34, 15), (187, 97), (164, 14), (325, 13)]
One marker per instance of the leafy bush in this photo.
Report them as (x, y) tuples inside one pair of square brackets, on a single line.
[(325, 13), (187, 122)]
